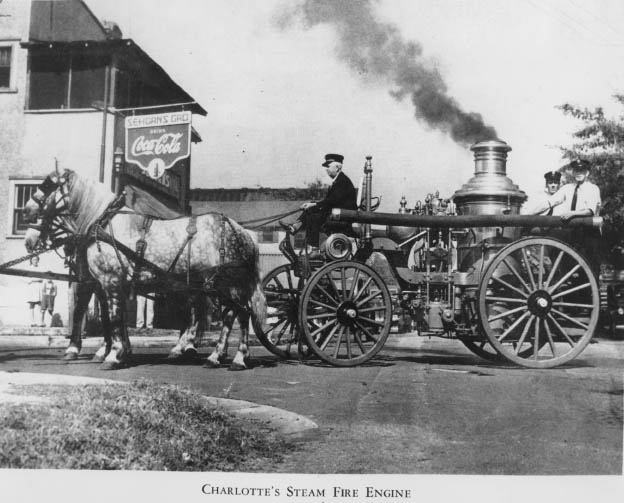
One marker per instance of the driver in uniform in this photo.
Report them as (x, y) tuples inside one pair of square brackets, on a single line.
[(341, 194)]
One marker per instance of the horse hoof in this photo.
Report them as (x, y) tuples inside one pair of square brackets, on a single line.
[(211, 365), (97, 359), (174, 355), (112, 365), (190, 352), (235, 367), (68, 357)]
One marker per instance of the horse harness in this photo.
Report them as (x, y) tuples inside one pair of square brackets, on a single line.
[(98, 233)]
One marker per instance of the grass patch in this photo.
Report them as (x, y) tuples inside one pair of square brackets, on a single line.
[(140, 426)]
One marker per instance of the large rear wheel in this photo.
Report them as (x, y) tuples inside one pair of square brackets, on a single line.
[(539, 302)]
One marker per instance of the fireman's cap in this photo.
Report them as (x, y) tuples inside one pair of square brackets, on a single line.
[(552, 177), (329, 158), (579, 165)]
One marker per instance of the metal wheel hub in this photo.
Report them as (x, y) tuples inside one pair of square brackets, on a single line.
[(347, 313), (540, 303)]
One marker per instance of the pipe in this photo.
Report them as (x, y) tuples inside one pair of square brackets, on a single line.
[(460, 221), (368, 171), (104, 125)]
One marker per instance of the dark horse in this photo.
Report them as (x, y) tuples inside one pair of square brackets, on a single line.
[(123, 250)]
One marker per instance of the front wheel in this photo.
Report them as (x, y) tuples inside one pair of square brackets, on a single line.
[(345, 313)]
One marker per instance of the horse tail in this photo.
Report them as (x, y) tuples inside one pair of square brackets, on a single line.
[(258, 299)]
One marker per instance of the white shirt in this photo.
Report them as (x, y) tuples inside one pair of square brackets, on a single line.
[(539, 199), (587, 197)]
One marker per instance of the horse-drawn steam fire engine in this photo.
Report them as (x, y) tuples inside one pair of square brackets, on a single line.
[(469, 267)]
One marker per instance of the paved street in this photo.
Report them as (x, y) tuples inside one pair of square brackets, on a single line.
[(423, 406)]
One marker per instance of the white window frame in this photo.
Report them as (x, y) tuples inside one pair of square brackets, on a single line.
[(12, 70), (13, 183)]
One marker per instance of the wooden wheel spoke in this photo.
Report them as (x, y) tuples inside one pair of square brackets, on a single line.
[(506, 299), (506, 313), (571, 304), (368, 334), (323, 327), (343, 282), (329, 296), (356, 277), (516, 274), (322, 315), (511, 287), (372, 309), (570, 319), (282, 332), (575, 289), (564, 278), (279, 322), (536, 340), (358, 340), (363, 289), (337, 348), (373, 322), (551, 341), (554, 269), (290, 280), (540, 272), (321, 304), (525, 331), (513, 326), (370, 297), (278, 283), (565, 334), (525, 259), (331, 282), (329, 337), (348, 343)]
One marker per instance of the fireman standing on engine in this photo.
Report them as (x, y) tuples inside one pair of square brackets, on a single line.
[(579, 198), (341, 194)]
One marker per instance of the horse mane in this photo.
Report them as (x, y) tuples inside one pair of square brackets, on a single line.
[(88, 199)]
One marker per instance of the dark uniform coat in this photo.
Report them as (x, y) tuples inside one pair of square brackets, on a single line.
[(341, 194)]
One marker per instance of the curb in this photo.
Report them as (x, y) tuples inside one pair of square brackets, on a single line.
[(291, 426)]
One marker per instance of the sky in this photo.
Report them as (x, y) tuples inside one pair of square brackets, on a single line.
[(285, 82)]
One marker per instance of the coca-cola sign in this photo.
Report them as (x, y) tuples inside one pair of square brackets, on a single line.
[(156, 142)]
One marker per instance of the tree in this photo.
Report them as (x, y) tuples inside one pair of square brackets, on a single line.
[(601, 141)]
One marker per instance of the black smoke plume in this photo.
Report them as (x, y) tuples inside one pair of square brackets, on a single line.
[(376, 49)]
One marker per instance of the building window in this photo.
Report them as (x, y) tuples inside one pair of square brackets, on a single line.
[(266, 236), (62, 80), (5, 67), (21, 192)]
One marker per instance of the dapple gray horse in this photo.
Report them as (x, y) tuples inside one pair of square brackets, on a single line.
[(207, 252)]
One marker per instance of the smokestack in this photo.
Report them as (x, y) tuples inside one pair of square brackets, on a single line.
[(374, 49)]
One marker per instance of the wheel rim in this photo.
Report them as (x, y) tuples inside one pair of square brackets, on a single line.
[(538, 302), (280, 332), (345, 313)]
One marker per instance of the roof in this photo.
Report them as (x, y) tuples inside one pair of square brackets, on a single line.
[(252, 214), (252, 207), (70, 24), (258, 194)]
